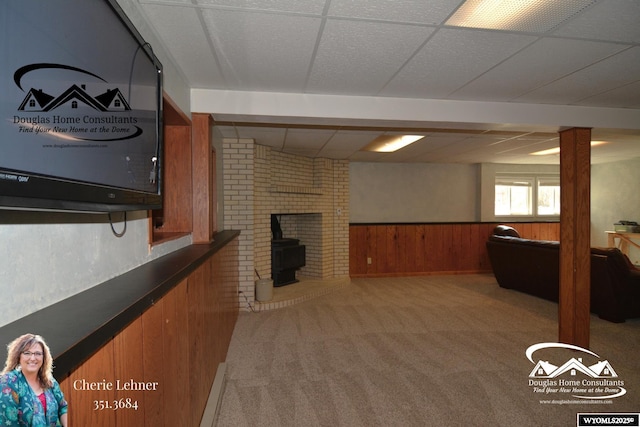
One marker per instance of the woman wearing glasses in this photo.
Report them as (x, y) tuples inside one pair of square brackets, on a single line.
[(29, 395)]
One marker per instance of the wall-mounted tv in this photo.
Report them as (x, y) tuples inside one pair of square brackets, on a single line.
[(80, 108)]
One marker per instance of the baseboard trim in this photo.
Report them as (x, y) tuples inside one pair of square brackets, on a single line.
[(215, 397)]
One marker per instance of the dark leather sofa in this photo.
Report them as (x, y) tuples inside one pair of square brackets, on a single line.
[(533, 267)]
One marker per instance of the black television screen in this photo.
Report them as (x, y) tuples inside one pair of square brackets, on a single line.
[(81, 108)]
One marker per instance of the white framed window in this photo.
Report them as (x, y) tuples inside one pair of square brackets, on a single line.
[(548, 196), (527, 196)]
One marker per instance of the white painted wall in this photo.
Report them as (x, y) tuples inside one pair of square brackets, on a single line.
[(394, 192), (46, 257), (614, 196)]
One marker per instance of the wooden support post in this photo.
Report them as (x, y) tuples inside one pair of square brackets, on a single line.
[(575, 245), (203, 180)]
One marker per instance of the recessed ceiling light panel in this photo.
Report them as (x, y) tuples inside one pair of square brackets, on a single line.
[(536, 16), (390, 143), (556, 150)]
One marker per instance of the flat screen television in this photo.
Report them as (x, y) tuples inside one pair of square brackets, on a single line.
[(81, 109)]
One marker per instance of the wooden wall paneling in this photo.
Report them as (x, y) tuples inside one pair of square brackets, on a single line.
[(354, 264), (197, 352), (177, 192), (357, 250), (66, 385), (372, 250), (211, 305), (172, 114), (175, 354), (488, 230), (393, 248), (89, 407), (177, 343), (458, 248), (203, 182), (152, 359), (429, 248), (526, 230), (408, 255), (215, 315), (473, 254), (442, 245), (420, 248), (128, 365), (230, 279)]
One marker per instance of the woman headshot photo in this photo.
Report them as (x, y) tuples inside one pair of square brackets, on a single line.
[(29, 395)]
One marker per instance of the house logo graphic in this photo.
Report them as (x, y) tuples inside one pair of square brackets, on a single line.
[(573, 378), (37, 100), (71, 112)]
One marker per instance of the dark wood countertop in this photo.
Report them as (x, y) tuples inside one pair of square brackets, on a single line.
[(76, 327)]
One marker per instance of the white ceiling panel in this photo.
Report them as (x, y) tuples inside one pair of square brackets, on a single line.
[(614, 20), (269, 136), (402, 54), (618, 70), (349, 59), (433, 12), (344, 144), (252, 61), (311, 138), (627, 96), (296, 6), (453, 58), (545, 61), (192, 46)]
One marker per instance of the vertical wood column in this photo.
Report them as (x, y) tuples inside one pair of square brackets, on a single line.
[(575, 263), (203, 179)]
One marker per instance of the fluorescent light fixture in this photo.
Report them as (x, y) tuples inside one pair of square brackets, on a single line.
[(390, 143), (516, 15), (556, 150)]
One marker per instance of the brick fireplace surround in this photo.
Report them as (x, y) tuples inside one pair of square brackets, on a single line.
[(310, 197)]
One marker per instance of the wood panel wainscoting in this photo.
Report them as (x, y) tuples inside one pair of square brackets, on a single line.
[(162, 365), (379, 250), (143, 349)]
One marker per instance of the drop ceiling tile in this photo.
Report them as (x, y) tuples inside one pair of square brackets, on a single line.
[(452, 58), (351, 140), (167, 2), (613, 20), (190, 48), (296, 6), (269, 136), (542, 63), (336, 154), (433, 12), (358, 58), (627, 96), (607, 75), (261, 51), (312, 138)]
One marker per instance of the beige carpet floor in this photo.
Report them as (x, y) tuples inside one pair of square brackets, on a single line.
[(416, 351)]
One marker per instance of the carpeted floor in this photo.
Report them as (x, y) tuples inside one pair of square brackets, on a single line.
[(417, 351)]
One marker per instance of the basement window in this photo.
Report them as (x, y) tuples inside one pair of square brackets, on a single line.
[(527, 196), (548, 196)]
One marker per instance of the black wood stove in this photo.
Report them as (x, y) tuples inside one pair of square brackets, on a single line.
[(287, 256)]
